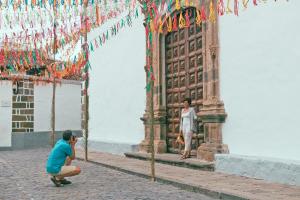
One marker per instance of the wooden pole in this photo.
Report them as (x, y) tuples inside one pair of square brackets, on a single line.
[(152, 132), (54, 81), (86, 124), (53, 114), (152, 160), (86, 120)]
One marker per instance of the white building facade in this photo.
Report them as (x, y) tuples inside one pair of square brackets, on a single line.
[(258, 82), (25, 110)]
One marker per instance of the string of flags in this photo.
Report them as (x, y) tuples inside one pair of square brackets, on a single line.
[(32, 44), (160, 19), (113, 30), (40, 17), (45, 16), (19, 52), (33, 4)]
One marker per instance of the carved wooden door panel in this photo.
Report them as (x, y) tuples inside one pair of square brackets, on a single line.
[(184, 78)]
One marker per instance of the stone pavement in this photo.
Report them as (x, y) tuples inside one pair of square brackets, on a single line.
[(23, 177), (214, 184)]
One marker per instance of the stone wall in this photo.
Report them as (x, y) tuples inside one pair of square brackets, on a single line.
[(23, 106)]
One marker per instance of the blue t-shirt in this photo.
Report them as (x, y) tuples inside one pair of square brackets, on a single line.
[(58, 156)]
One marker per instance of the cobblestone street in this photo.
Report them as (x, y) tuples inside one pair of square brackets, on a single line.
[(22, 176)]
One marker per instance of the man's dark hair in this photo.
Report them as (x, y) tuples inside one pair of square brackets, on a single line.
[(67, 135), (189, 100)]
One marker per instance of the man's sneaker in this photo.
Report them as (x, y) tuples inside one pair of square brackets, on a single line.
[(65, 182), (55, 181)]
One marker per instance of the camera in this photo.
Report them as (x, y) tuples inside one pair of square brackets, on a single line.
[(73, 138)]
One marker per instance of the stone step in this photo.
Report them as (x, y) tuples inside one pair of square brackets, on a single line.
[(174, 159)]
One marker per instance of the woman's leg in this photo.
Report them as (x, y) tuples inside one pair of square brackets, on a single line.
[(188, 143), (184, 137)]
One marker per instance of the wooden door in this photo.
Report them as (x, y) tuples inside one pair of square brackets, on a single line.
[(184, 78)]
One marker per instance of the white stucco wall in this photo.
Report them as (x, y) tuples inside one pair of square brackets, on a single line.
[(260, 80), (42, 110), (5, 113), (117, 94), (68, 107)]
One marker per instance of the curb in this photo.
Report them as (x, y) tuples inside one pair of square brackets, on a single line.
[(204, 167), (199, 189)]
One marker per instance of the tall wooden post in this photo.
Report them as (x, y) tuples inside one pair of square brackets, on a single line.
[(53, 114), (152, 131), (54, 81), (151, 110), (86, 85)]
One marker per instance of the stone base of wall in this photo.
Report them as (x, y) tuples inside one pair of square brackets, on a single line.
[(114, 148), (35, 139), (273, 170), (5, 148)]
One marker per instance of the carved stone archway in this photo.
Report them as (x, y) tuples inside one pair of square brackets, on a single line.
[(211, 112)]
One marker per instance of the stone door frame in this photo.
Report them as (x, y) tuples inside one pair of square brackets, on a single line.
[(213, 112)]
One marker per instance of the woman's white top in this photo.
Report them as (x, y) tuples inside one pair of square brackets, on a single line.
[(187, 119)]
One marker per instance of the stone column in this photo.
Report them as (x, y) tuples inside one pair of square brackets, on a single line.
[(160, 114), (213, 112)]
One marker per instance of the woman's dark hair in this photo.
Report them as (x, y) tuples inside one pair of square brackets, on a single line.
[(67, 135), (189, 100)]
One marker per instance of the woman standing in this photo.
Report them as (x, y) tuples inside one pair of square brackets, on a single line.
[(188, 115)]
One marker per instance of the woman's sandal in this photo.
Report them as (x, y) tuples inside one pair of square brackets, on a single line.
[(183, 157)]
